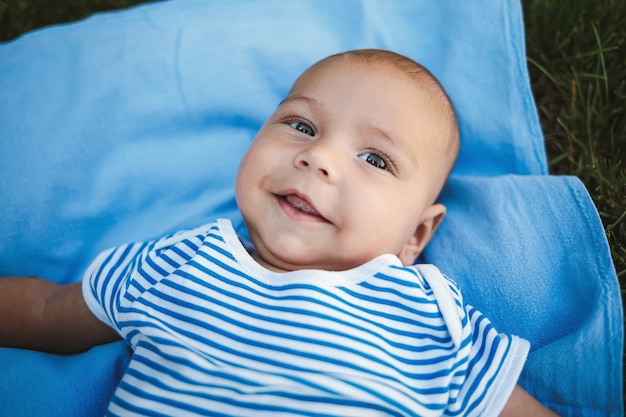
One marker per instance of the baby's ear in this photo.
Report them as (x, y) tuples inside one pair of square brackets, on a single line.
[(431, 218)]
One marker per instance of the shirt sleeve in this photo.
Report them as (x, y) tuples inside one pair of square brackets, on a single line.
[(121, 274), (491, 365), (488, 363)]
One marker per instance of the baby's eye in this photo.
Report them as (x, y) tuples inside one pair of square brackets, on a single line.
[(374, 159), (303, 127)]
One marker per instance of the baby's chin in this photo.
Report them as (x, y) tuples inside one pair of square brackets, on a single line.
[(296, 263)]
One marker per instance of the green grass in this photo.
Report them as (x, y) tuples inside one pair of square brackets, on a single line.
[(19, 16), (577, 62)]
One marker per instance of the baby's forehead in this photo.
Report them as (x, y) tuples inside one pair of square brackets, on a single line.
[(331, 65), (431, 96), (410, 72)]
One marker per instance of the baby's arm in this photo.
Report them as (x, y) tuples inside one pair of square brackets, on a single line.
[(522, 403), (41, 315)]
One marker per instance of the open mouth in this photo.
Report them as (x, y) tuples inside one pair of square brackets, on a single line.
[(298, 207)]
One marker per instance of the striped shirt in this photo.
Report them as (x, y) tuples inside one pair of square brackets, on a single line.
[(215, 333)]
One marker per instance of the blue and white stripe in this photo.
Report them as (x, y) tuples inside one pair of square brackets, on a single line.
[(214, 333)]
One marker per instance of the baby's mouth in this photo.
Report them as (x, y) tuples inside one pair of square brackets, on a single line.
[(298, 206), (301, 204)]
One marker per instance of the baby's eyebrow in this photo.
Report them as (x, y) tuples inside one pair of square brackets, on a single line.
[(309, 100)]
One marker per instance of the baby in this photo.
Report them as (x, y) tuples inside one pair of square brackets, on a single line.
[(323, 313)]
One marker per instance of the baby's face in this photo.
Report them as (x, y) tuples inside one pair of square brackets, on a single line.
[(343, 171)]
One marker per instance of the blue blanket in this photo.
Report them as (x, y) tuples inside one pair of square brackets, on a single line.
[(129, 125)]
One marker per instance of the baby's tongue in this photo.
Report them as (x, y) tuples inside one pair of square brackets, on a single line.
[(300, 204)]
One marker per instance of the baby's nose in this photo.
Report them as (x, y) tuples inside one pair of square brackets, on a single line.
[(320, 158)]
